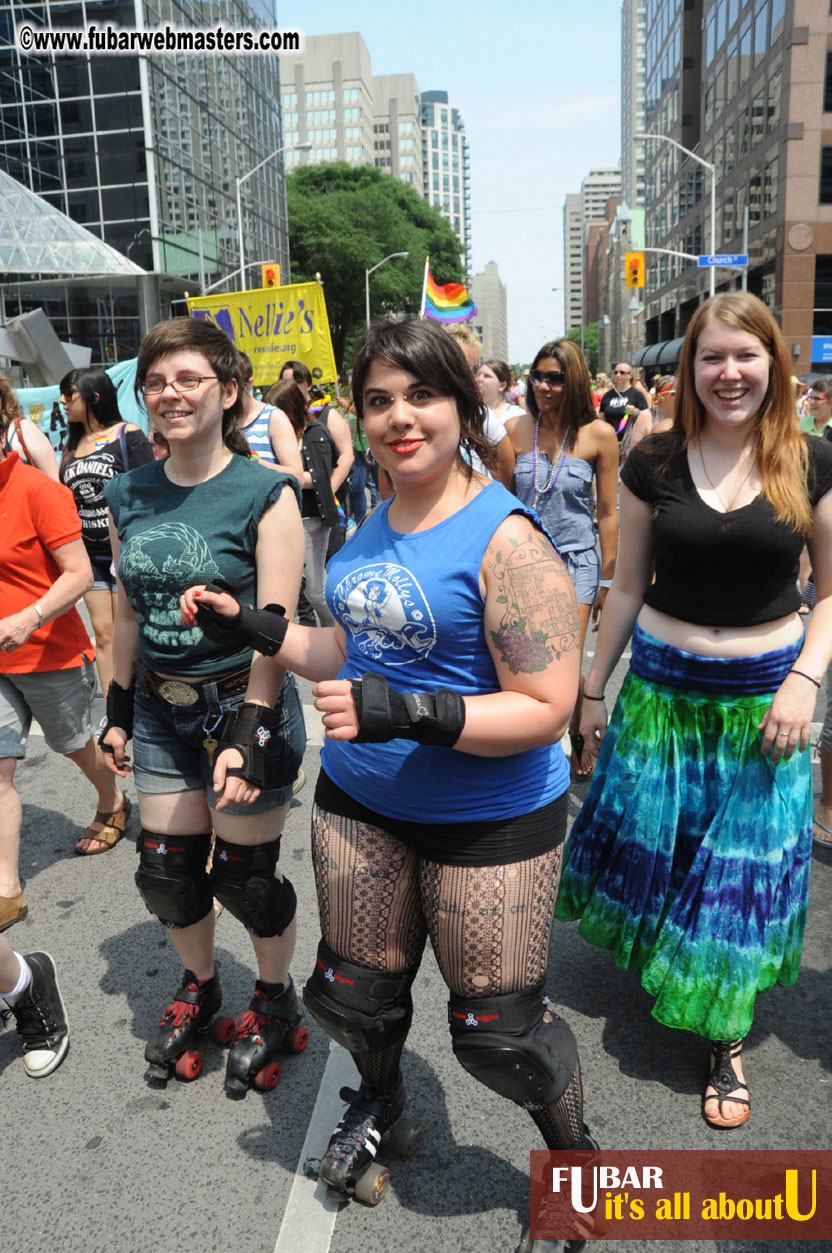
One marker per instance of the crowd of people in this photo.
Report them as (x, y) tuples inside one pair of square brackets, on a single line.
[(445, 641)]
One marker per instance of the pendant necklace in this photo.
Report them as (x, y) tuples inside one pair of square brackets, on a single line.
[(715, 489), (543, 489)]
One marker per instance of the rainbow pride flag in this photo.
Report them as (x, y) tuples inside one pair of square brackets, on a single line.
[(448, 303)]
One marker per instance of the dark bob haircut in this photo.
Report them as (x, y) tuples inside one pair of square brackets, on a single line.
[(197, 335), (425, 349)]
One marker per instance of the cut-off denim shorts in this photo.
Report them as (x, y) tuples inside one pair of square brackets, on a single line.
[(169, 754)]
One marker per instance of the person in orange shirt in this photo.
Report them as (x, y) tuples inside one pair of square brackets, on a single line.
[(46, 659)]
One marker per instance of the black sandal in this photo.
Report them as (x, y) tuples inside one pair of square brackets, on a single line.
[(723, 1079)]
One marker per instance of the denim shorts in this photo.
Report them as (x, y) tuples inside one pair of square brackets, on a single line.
[(59, 700), (104, 580), (168, 752), (584, 570)]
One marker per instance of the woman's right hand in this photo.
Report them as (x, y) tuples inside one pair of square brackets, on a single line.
[(113, 743), (224, 604), (593, 726)]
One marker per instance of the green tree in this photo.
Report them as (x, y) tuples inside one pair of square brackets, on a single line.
[(590, 344), (343, 220)]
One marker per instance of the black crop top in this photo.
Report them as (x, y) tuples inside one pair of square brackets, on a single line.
[(718, 569)]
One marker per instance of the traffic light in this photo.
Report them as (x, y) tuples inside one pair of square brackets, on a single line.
[(270, 274), (634, 269)]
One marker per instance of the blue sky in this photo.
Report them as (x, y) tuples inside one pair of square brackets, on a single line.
[(538, 86)]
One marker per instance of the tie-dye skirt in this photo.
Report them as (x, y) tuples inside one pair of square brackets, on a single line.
[(690, 856)]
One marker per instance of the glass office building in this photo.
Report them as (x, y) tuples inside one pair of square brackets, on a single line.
[(144, 150)]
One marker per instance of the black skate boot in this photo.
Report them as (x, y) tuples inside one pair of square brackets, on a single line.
[(264, 1029), (370, 1122), (41, 1019), (188, 1016), (552, 1210)]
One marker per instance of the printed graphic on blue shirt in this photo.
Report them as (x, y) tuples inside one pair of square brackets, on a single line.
[(156, 567), (386, 612)]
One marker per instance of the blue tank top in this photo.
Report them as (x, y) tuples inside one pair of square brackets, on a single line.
[(412, 610), (258, 438), (566, 511)]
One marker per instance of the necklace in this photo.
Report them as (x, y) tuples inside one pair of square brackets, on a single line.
[(713, 486), (543, 489)]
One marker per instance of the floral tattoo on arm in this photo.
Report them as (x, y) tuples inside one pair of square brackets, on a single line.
[(540, 614)]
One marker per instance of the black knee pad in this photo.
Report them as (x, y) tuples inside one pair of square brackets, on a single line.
[(242, 879), (504, 1043), (364, 1010), (171, 876)]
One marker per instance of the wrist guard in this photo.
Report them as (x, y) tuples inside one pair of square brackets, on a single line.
[(261, 629), (427, 717), (119, 710), (249, 733)]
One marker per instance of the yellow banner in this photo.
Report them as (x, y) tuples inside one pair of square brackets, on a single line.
[(274, 325)]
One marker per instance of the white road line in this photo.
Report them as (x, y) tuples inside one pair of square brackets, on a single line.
[(314, 726), (309, 1217)]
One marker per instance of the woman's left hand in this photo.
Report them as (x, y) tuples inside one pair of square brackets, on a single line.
[(16, 629), (788, 724), (235, 791), (597, 606), (333, 699)]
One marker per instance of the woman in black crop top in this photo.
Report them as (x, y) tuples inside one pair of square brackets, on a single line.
[(690, 857)]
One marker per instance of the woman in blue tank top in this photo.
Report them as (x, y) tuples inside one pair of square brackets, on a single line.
[(443, 784)]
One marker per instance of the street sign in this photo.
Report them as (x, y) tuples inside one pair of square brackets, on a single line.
[(821, 349), (739, 259)]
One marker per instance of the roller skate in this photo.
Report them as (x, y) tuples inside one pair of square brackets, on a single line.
[(552, 1210), (188, 1016), (267, 1027), (370, 1123)]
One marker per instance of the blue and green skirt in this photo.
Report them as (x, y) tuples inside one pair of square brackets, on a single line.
[(690, 856)]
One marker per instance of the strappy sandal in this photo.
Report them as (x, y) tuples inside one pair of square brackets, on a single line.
[(116, 821), (819, 839), (723, 1079)]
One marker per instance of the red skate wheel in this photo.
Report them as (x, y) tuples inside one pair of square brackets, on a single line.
[(189, 1065), (296, 1039), (371, 1187), (267, 1078), (223, 1030)]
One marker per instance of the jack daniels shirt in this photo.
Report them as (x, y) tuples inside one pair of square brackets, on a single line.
[(86, 477)]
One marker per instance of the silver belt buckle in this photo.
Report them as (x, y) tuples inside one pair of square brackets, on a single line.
[(176, 693)]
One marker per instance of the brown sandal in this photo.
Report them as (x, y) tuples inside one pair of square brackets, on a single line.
[(117, 821)]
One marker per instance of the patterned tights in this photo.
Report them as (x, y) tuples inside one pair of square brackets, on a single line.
[(488, 925)]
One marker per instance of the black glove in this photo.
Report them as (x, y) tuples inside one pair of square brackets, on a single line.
[(427, 717), (262, 629), (119, 711), (249, 733)]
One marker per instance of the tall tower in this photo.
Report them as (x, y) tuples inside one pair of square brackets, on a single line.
[(445, 165)]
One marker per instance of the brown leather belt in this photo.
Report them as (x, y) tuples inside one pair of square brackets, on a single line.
[(182, 692)]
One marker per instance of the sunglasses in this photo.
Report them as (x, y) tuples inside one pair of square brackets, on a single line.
[(555, 378)]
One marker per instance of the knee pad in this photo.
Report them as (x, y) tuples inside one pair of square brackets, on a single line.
[(171, 876), (242, 879), (364, 1010), (504, 1043)]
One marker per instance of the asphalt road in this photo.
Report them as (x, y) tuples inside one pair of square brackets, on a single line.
[(93, 1159)]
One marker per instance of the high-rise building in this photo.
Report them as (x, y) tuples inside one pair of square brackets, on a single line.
[(446, 165), (491, 321), (327, 100), (633, 36), (747, 86), (573, 262), (584, 217), (144, 151), (332, 99), (397, 127)]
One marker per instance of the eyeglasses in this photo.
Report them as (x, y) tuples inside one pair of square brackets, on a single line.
[(555, 378), (185, 383)]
